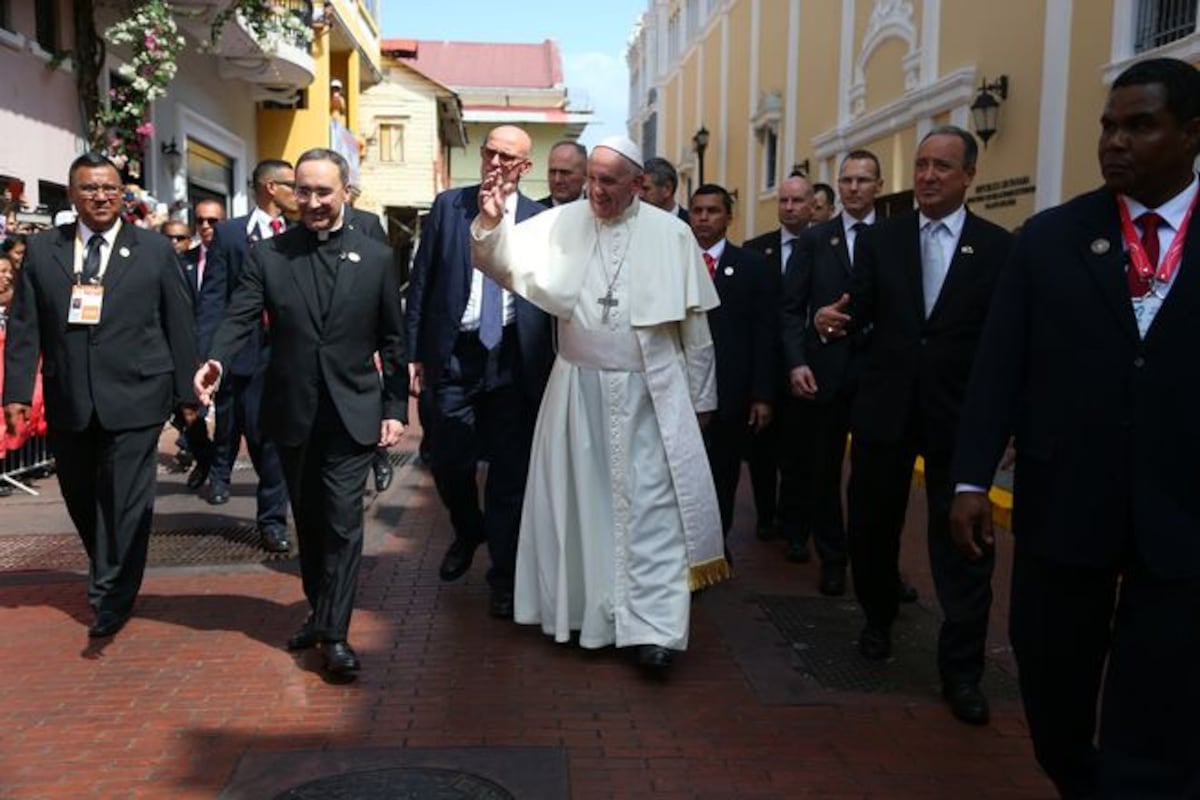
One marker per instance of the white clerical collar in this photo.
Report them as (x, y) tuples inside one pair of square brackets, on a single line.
[(1173, 211), (848, 220), (717, 250), (323, 236), (109, 236), (953, 221)]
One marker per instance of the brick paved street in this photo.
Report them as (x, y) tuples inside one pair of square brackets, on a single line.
[(198, 698)]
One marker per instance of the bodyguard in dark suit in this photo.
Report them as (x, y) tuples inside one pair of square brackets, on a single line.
[(777, 460), (566, 173), (485, 356), (826, 374), (660, 182), (239, 400), (1089, 357), (923, 280), (110, 378), (333, 298), (744, 338)]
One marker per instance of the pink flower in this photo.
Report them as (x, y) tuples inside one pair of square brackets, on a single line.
[(145, 129), (150, 41)]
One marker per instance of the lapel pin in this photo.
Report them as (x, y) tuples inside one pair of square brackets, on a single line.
[(729, 270), (966, 249), (835, 241), (355, 257), (770, 250), (1100, 246), (124, 251)]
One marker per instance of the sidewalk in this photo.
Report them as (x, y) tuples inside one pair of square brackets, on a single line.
[(196, 697)]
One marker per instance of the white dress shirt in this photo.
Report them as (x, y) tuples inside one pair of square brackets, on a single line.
[(1173, 211), (260, 224), (946, 233), (848, 223), (83, 234), (471, 314)]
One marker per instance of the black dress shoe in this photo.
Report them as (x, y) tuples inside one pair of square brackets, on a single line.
[(458, 559), (797, 553), (275, 540), (905, 591), (654, 658), (340, 658), (383, 471), (500, 604), (218, 495), (967, 702), (833, 580), (306, 637), (198, 475), (875, 643), (107, 623)]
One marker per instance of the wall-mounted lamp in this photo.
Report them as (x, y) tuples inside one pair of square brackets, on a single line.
[(800, 168), (986, 107), (171, 155), (700, 142)]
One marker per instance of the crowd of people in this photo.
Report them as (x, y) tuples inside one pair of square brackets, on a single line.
[(613, 358)]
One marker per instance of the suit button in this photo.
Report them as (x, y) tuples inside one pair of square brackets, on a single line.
[(1139, 362)]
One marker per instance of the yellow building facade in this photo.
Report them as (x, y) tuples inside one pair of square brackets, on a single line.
[(786, 84), (345, 49)]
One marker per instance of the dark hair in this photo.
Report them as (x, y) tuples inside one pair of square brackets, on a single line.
[(1179, 79), (580, 150), (266, 168), (90, 160), (864, 155), (325, 154), (12, 241), (662, 172), (970, 146), (825, 189), (713, 188)]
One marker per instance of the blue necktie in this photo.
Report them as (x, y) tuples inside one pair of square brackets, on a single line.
[(491, 315)]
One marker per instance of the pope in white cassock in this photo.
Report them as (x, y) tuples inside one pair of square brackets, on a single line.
[(620, 520)]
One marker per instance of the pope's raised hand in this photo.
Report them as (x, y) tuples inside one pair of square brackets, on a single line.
[(493, 193)]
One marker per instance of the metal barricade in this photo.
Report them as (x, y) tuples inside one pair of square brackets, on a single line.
[(19, 465)]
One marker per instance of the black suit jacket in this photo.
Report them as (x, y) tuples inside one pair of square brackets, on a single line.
[(132, 368), (440, 286), (366, 223), (339, 352), (1107, 432), (818, 273), (222, 274), (743, 332), (768, 244), (915, 370)]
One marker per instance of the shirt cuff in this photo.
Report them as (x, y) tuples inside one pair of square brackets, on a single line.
[(960, 488)]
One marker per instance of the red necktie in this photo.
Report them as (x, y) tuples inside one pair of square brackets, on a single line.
[(711, 263), (276, 226), (1139, 285)]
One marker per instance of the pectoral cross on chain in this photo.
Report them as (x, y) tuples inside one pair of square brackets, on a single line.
[(608, 302)]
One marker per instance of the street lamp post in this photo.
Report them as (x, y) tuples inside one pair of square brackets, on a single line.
[(700, 142)]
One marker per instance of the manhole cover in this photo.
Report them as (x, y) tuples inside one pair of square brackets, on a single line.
[(823, 636), (399, 783)]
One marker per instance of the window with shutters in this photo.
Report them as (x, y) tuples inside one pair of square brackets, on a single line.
[(391, 142)]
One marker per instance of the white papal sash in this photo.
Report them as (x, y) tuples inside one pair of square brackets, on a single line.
[(615, 351)]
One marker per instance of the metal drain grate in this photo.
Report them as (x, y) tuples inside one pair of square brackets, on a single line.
[(823, 636), (400, 782), (236, 544)]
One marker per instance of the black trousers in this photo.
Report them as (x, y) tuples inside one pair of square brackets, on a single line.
[(1066, 623), (480, 414), (326, 479), (762, 457), (880, 478), (237, 408), (792, 430), (725, 441), (107, 480), (829, 426)]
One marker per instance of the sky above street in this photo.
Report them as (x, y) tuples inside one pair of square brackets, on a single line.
[(590, 36)]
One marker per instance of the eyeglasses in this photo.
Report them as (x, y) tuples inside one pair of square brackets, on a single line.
[(321, 192), (99, 190), (506, 159), (207, 220)]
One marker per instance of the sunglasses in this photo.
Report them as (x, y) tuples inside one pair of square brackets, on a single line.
[(207, 220), (179, 237)]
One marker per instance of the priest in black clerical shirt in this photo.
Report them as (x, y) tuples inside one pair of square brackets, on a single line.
[(331, 295)]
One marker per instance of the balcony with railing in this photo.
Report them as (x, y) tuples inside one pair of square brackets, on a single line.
[(1160, 22), (270, 47)]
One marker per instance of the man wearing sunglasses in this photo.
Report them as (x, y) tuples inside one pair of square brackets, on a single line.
[(238, 401)]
